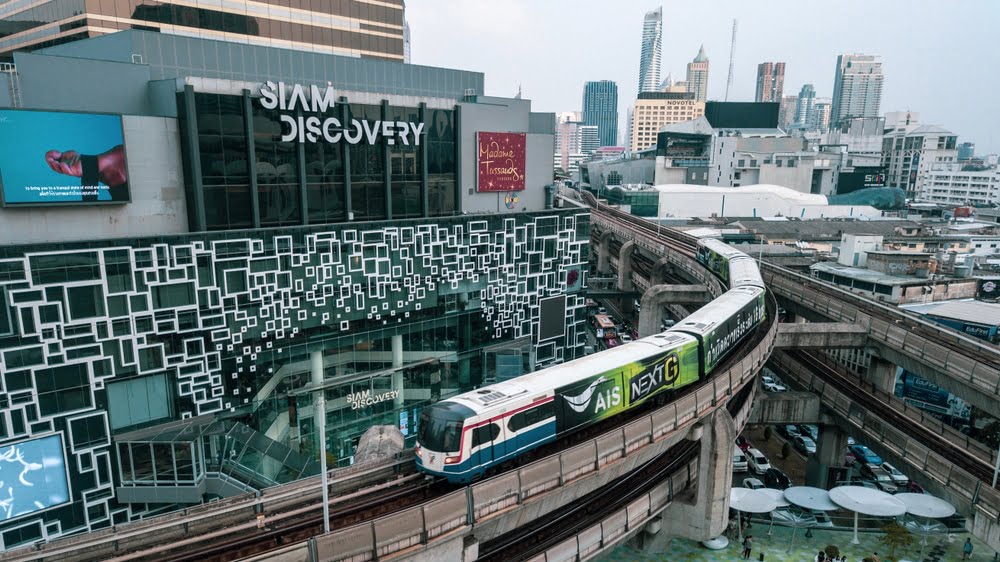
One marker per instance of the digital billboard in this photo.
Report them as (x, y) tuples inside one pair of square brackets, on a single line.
[(61, 158), (861, 178), (33, 473), (500, 159)]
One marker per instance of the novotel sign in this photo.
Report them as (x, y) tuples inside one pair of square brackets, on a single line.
[(299, 101)]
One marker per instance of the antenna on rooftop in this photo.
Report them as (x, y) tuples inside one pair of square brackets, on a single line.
[(732, 56)]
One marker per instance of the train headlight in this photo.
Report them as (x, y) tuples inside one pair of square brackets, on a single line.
[(416, 449), (452, 460)]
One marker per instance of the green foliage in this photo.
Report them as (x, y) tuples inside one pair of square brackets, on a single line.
[(896, 536), (768, 431), (786, 450)]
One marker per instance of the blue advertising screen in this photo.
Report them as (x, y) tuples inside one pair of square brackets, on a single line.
[(61, 158), (33, 474)]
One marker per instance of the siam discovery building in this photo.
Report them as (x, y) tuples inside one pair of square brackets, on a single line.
[(200, 237)]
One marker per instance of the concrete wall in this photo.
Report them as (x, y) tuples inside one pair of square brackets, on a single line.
[(631, 171), (156, 184), (74, 84), (506, 115)]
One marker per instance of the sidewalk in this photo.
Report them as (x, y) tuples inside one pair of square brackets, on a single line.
[(939, 548)]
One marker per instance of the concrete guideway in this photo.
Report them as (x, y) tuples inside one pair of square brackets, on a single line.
[(821, 335), (941, 476), (967, 368)]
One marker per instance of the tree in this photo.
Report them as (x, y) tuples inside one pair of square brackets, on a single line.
[(767, 433), (832, 551), (896, 536), (786, 450)]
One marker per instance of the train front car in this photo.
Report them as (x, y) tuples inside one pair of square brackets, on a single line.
[(723, 323), (439, 438)]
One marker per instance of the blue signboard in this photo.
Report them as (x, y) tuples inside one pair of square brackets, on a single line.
[(61, 158), (33, 476)]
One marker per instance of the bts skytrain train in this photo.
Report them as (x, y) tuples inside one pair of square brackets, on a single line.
[(464, 436)]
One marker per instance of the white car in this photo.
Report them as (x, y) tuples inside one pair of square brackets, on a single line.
[(753, 484), (898, 477), (625, 338), (757, 461), (773, 387)]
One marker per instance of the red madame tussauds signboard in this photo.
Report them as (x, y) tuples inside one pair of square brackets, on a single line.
[(501, 161)]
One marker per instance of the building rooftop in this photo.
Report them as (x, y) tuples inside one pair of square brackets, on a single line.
[(966, 310), (826, 229), (899, 253), (867, 275)]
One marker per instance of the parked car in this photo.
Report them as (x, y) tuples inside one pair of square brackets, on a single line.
[(774, 478), (739, 460), (602, 310), (898, 477), (809, 430), (915, 488), (666, 324), (864, 455), (743, 443), (753, 484), (625, 338), (822, 519), (793, 515), (849, 458), (804, 445), (757, 461), (880, 477), (788, 431), (772, 387)]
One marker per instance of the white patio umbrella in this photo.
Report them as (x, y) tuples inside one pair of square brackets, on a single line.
[(868, 501), (929, 507), (750, 501), (779, 501)]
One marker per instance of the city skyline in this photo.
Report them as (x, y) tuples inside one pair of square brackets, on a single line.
[(810, 51)]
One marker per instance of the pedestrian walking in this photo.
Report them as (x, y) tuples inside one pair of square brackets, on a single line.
[(967, 549), (747, 546), (874, 557)]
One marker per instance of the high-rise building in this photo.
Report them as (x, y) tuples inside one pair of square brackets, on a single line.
[(653, 110), (857, 87), (910, 149), (807, 96), (966, 151), (786, 112), (649, 57), (818, 118), (356, 28), (600, 107), (590, 139), (697, 76), (574, 141), (770, 81)]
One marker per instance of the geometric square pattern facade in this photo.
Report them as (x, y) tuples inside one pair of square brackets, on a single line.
[(205, 309)]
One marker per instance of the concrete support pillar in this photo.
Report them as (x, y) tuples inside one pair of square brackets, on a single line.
[(705, 514), (397, 376), (830, 449), (625, 267), (604, 256), (651, 312), (660, 271), (882, 374), (464, 362)]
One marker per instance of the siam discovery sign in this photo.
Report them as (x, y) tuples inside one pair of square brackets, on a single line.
[(500, 160), (299, 101)]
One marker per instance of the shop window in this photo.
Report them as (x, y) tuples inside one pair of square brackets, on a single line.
[(139, 401)]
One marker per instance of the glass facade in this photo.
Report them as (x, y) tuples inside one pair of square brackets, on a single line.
[(340, 181), (111, 344), (336, 26)]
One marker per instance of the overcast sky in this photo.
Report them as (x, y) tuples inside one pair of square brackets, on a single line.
[(940, 58)]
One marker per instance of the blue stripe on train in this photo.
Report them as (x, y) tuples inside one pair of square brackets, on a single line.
[(474, 466)]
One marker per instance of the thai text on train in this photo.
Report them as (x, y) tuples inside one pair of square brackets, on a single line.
[(300, 127)]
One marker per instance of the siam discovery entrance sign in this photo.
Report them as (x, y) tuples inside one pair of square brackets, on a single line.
[(299, 101)]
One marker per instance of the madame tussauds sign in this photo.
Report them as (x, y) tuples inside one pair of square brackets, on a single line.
[(300, 101)]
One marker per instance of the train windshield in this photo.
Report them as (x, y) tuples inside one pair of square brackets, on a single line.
[(439, 435)]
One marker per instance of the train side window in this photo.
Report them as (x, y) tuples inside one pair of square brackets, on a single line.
[(484, 434), (531, 416)]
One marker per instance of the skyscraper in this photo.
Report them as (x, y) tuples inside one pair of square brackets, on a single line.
[(819, 116), (786, 111), (352, 28), (857, 87), (697, 76), (807, 96), (649, 57), (770, 81), (600, 107)]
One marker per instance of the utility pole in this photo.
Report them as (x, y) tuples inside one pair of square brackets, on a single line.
[(732, 56)]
